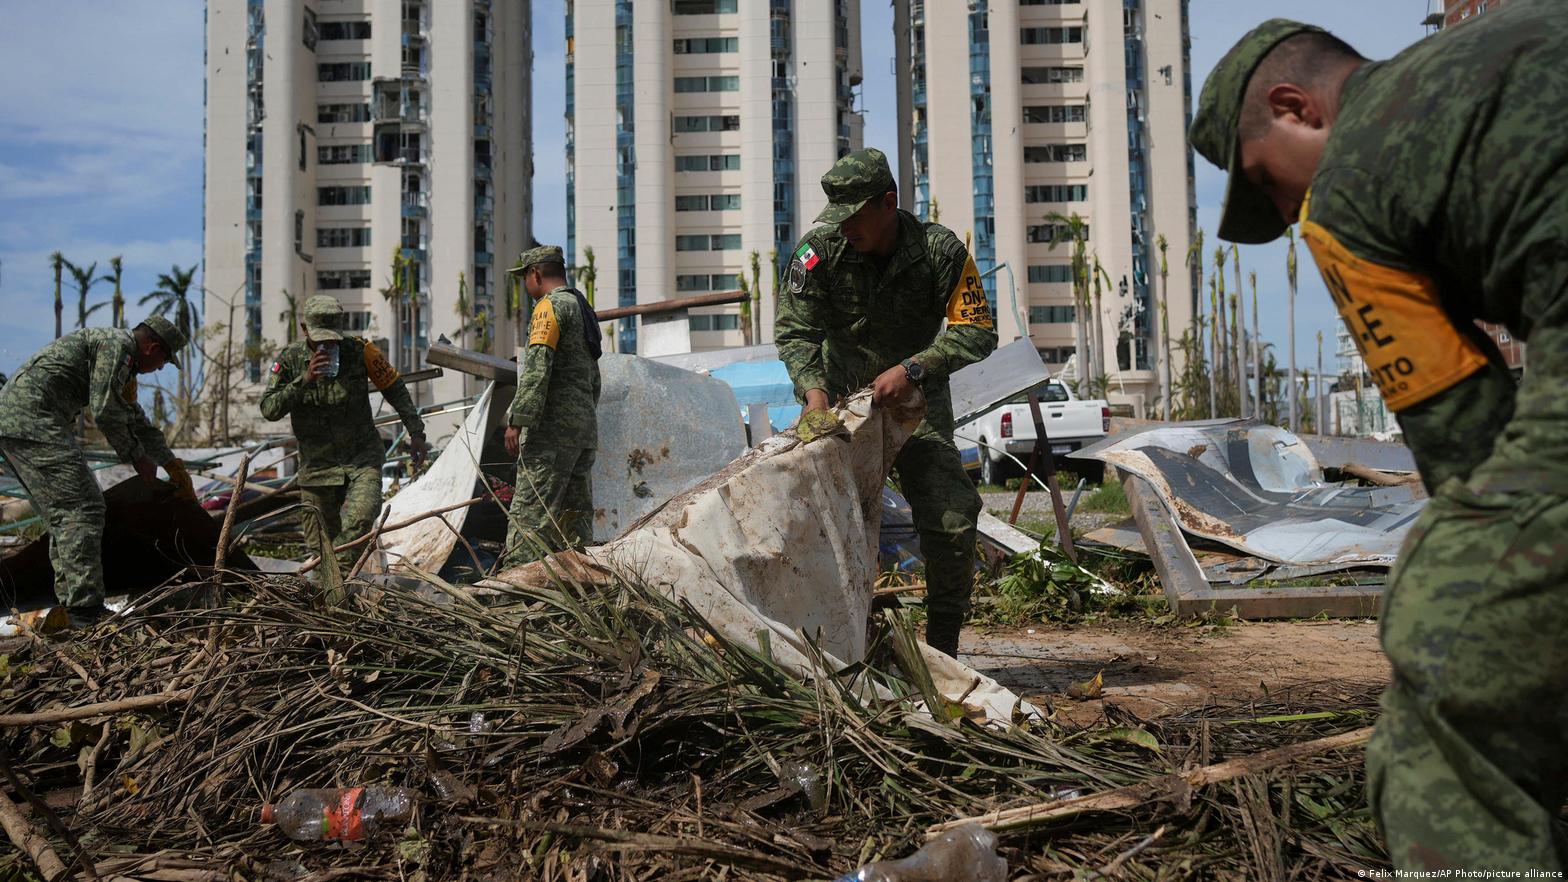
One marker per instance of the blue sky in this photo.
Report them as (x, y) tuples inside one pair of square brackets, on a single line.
[(101, 140)]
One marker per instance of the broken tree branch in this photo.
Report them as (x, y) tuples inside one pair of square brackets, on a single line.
[(1154, 789), (228, 527), (29, 840), (99, 709), (1378, 476)]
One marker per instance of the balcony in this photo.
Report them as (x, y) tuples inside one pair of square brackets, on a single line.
[(483, 258), (415, 205), (483, 171), (484, 207), (415, 254)]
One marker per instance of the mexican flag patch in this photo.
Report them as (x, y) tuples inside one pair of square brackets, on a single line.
[(807, 256)]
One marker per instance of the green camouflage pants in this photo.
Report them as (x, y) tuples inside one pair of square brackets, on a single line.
[(347, 510), (66, 496), (1469, 764), (552, 503), (945, 505)]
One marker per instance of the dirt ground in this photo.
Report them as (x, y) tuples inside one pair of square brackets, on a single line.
[(1153, 670)]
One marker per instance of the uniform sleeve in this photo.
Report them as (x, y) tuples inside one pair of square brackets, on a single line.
[(393, 389), (971, 330), (533, 384), (285, 389), (151, 438), (1433, 368), (800, 328), (106, 399)]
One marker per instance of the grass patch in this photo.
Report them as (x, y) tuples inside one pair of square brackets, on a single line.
[(1110, 498)]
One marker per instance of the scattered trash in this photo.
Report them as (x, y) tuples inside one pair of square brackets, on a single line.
[(967, 854), (346, 813)]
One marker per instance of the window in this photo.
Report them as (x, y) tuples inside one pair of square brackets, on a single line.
[(1055, 153), (337, 280), (1059, 233), (343, 113), (704, 202), (1057, 354), (1055, 113), (1050, 36), (299, 232), (1034, 76), (342, 237), (722, 322), (701, 45), (1055, 272), (722, 242), (1047, 2), (343, 154), (688, 124), (343, 195), (707, 84), (343, 71), (309, 33), (345, 30), (704, 7), (1050, 315), (301, 130), (1056, 193), (707, 282), (708, 162)]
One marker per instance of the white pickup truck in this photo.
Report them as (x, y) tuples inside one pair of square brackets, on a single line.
[(1069, 423)]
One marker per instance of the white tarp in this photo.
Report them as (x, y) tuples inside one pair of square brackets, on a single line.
[(784, 541), (451, 478)]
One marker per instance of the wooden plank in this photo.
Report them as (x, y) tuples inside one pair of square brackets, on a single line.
[(718, 298), (479, 364)]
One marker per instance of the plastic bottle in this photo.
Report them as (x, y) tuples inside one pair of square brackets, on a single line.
[(341, 813), (967, 854), (332, 362)]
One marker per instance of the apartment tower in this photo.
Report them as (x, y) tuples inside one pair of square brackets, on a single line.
[(1023, 110), (342, 132), (697, 132)]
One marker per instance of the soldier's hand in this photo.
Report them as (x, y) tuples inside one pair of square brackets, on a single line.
[(318, 365), (418, 447), (816, 399), (891, 386), (514, 435), (181, 479), (146, 468)]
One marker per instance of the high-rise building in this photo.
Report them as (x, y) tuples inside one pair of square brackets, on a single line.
[(340, 133), (1027, 112), (697, 131)]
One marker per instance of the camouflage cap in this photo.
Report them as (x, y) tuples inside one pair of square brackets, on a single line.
[(324, 318), (172, 338), (852, 181), (538, 254), (1249, 216)]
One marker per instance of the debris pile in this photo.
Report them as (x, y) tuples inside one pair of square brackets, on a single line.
[(567, 732)]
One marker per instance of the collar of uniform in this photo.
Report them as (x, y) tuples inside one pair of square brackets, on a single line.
[(911, 244)]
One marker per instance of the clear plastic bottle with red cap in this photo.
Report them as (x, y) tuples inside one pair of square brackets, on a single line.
[(344, 813)]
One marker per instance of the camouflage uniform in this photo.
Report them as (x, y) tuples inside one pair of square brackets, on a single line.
[(92, 369), (556, 406), (340, 451), (1441, 199), (844, 317)]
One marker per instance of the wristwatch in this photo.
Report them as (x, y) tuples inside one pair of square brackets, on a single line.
[(914, 370)]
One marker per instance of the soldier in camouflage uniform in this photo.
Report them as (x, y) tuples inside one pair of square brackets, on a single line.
[(340, 451), (864, 304), (1432, 190), (94, 368), (553, 423)]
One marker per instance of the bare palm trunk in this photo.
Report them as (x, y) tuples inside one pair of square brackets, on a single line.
[(1165, 345), (1099, 341), (1216, 323), (1321, 426), (1257, 358)]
